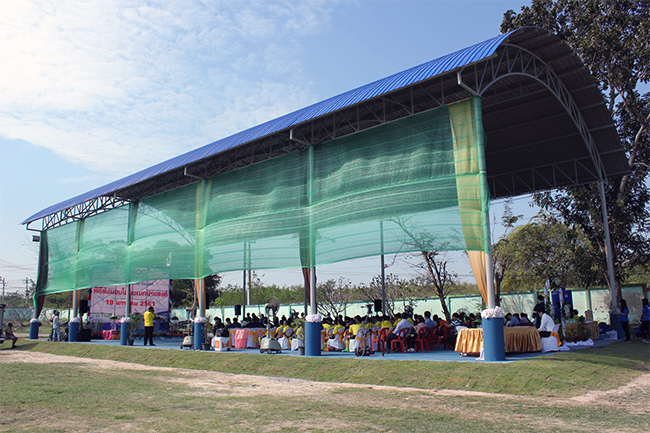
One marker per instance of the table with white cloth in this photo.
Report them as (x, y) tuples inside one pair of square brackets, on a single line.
[(517, 339)]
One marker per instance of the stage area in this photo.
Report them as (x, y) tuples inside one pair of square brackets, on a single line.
[(435, 355)]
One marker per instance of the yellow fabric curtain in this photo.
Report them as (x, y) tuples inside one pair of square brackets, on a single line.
[(471, 184), (477, 261)]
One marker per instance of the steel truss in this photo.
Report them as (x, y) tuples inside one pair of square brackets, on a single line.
[(476, 79), (81, 211), (513, 61)]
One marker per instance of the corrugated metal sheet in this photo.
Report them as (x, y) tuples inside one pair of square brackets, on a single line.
[(408, 77)]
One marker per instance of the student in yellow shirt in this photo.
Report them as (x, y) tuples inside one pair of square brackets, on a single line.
[(148, 326)]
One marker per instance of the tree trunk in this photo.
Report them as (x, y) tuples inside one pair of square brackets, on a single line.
[(445, 310), (439, 287)]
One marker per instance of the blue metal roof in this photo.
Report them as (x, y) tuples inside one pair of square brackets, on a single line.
[(402, 79)]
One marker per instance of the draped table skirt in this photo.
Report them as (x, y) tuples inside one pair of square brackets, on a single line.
[(516, 339)]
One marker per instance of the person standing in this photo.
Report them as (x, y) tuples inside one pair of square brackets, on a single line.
[(645, 321), (148, 326), (56, 326), (625, 319), (539, 308)]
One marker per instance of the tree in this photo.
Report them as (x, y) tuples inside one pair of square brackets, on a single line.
[(612, 39), (396, 289), (333, 296), (540, 250), (435, 270), (14, 299), (502, 250), (182, 292), (439, 277), (211, 285), (59, 301)]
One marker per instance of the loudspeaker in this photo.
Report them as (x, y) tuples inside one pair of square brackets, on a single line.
[(378, 307), (83, 307), (237, 310)]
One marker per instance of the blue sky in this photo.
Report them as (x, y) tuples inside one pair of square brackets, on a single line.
[(93, 91)]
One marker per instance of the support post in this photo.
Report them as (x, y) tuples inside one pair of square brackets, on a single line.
[(615, 320), (199, 325), (312, 329), (489, 275), (73, 325), (608, 246), (312, 290), (243, 303), (383, 270)]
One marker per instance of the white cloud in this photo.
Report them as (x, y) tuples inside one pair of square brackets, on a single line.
[(117, 86)]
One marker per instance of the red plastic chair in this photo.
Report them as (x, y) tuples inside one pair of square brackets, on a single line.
[(420, 344), (432, 338), (442, 340), (379, 337), (401, 340)]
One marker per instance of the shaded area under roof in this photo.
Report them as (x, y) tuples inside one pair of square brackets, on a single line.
[(524, 77)]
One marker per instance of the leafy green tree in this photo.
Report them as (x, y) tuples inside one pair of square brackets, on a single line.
[(540, 250), (59, 301), (14, 299), (182, 292), (612, 37), (502, 250)]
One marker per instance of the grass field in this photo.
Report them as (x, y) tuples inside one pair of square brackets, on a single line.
[(63, 387)]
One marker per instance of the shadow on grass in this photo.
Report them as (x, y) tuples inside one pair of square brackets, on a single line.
[(19, 345)]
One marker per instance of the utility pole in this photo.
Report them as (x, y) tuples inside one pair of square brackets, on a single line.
[(27, 281), (3, 290)]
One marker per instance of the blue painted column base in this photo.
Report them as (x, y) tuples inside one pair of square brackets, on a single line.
[(33, 329), (615, 322), (494, 345), (198, 335), (73, 331), (125, 330), (312, 338)]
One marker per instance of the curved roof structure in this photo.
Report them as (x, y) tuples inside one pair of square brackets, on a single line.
[(545, 121)]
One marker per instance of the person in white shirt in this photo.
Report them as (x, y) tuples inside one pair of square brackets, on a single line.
[(546, 324), (393, 334), (56, 327)]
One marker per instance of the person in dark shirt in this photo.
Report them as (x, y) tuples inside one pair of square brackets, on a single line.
[(9, 334), (218, 324), (453, 334), (539, 308)]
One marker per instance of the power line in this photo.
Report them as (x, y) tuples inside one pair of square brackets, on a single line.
[(14, 267)]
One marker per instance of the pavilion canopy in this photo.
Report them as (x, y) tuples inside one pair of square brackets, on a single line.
[(408, 163), (545, 122)]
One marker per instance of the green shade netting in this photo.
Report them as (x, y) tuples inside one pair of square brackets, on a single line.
[(411, 185)]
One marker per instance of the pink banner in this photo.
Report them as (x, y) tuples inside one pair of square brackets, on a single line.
[(109, 301)]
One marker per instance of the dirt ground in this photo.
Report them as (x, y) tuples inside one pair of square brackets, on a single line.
[(635, 395)]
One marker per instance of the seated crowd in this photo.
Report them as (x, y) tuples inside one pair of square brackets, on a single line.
[(402, 332)]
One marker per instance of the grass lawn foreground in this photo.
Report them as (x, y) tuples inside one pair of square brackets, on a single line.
[(59, 387)]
